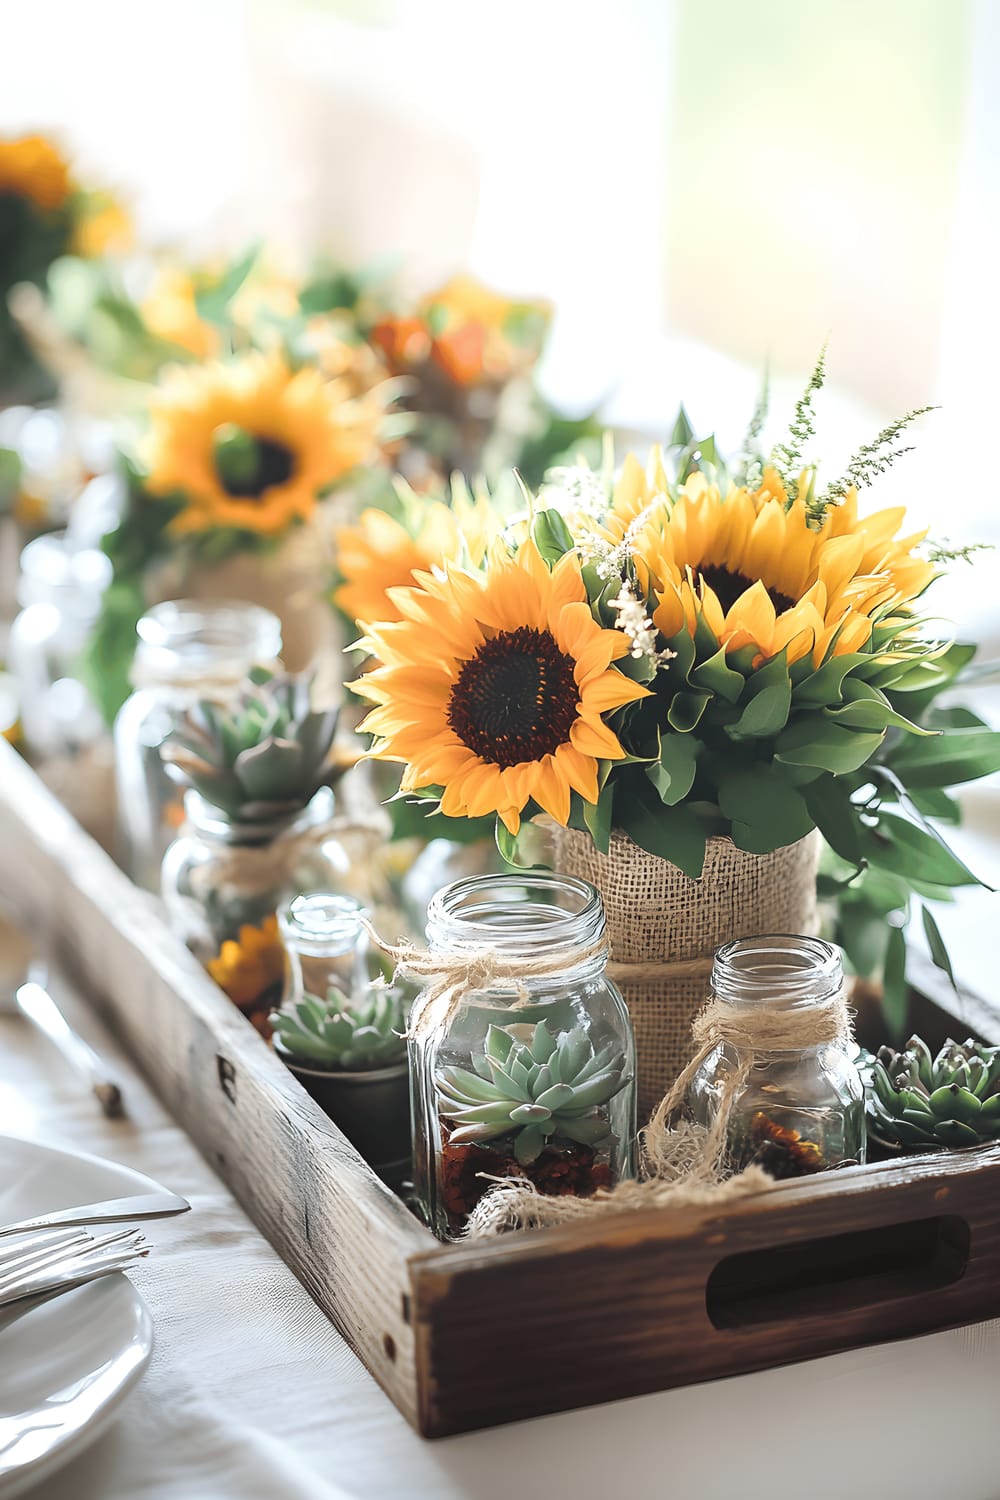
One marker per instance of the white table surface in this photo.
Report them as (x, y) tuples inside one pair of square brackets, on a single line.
[(252, 1395)]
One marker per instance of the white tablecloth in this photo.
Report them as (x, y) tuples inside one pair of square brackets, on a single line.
[(252, 1395)]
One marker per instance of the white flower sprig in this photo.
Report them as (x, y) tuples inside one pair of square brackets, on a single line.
[(634, 621)]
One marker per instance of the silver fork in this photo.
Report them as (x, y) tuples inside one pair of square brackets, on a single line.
[(67, 1259)]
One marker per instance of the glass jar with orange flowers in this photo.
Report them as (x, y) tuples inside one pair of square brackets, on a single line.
[(259, 830)]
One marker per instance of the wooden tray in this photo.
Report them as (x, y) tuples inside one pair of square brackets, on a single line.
[(472, 1335)]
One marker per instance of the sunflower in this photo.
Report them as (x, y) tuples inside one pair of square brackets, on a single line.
[(753, 569), (104, 227), (171, 313), (381, 554), (32, 168), (250, 969), (252, 444), (493, 687)]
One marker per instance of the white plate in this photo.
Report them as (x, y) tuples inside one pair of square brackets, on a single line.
[(64, 1366)]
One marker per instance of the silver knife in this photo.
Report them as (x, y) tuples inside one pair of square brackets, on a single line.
[(35, 1002), (113, 1210)]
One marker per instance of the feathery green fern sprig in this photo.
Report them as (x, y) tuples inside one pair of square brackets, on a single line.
[(871, 460), (787, 457)]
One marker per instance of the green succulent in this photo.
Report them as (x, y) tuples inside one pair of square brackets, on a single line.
[(553, 1085), (260, 757), (915, 1100), (332, 1034)]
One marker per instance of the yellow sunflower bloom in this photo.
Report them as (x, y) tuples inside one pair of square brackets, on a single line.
[(171, 313), (380, 554), (31, 167), (252, 444), (103, 228), (760, 576), (493, 687)]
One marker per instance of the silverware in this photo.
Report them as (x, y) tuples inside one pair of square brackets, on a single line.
[(39, 1273), (112, 1210), (22, 984), (34, 1001)]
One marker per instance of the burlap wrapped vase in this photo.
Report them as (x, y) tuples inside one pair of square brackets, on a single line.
[(656, 914)]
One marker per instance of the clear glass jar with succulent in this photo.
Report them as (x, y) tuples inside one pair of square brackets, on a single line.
[(915, 1101), (530, 1075), (187, 650), (341, 1035), (259, 829)]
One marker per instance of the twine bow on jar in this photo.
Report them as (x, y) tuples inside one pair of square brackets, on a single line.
[(449, 975)]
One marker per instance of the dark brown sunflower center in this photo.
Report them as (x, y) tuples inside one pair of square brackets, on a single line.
[(516, 699), (728, 587), (249, 465)]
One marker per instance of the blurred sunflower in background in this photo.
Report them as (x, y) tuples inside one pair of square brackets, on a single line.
[(381, 553), (252, 444), (33, 168), (493, 686)]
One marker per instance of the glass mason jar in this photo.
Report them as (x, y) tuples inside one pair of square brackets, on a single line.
[(186, 650), (60, 593), (801, 1111), (532, 1078), (326, 947), (223, 883)]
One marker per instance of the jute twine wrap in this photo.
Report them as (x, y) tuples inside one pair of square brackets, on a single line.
[(253, 869), (683, 1165), (448, 976), (663, 928)]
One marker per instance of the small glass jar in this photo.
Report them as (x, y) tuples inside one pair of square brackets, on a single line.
[(567, 1122), (223, 883), (326, 947), (798, 1112), (187, 650), (60, 593)]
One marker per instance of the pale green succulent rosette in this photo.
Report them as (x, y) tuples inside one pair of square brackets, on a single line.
[(550, 1088), (331, 1034), (260, 758), (920, 1102)]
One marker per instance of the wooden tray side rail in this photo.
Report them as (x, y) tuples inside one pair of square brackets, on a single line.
[(649, 1301), (346, 1236), (477, 1334)]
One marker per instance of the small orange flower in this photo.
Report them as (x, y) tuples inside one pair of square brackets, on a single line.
[(31, 167)]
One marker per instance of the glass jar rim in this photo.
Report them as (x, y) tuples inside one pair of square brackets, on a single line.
[(520, 913), (194, 638), (780, 970), (321, 924)]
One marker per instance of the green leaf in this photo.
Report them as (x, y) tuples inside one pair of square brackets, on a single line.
[(551, 535), (914, 853), (764, 716), (674, 833), (959, 756), (864, 936), (936, 944), (865, 707), (830, 806), (686, 710), (597, 817), (813, 741), (682, 432), (673, 774), (212, 302), (825, 685), (716, 676), (766, 813), (895, 1001)]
